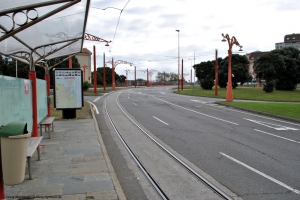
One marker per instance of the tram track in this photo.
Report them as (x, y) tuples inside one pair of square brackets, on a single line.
[(147, 174)]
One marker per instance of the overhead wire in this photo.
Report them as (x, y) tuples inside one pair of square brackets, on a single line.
[(110, 47)]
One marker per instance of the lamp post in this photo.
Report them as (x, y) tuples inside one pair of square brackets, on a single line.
[(95, 38), (216, 73), (178, 60), (231, 41)]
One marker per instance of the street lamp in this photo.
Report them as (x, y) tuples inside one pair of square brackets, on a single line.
[(114, 65), (231, 42), (178, 59)]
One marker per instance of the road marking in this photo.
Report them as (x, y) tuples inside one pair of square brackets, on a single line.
[(163, 92), (196, 111), (274, 126), (135, 104), (95, 100), (160, 120), (262, 174), (94, 107), (278, 136), (198, 106)]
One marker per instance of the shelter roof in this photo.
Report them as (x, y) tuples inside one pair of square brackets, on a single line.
[(43, 29)]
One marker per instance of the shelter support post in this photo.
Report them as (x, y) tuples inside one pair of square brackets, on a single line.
[(32, 77)]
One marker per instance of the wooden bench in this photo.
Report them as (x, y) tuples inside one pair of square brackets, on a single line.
[(47, 121), (33, 144)]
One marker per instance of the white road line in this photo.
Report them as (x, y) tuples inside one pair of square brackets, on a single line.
[(274, 126), (95, 100), (262, 174), (160, 120), (95, 107), (196, 112), (135, 104), (278, 136)]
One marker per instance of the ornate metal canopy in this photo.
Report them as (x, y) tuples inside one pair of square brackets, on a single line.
[(32, 30)]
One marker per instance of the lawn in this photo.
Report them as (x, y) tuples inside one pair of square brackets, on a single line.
[(246, 93), (281, 109), (282, 103)]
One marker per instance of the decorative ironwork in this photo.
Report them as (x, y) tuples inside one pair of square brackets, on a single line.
[(22, 54), (231, 41), (27, 18), (95, 38), (119, 62)]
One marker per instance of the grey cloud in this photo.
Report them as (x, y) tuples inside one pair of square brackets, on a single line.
[(170, 20), (143, 10)]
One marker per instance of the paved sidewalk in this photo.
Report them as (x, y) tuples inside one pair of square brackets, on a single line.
[(74, 165)]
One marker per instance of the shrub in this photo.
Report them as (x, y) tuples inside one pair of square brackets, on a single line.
[(85, 86), (269, 86)]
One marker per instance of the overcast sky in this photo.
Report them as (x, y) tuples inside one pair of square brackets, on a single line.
[(146, 34)]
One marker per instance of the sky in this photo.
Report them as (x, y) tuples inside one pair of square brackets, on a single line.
[(144, 33)]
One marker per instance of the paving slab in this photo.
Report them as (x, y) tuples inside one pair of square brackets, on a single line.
[(72, 166)]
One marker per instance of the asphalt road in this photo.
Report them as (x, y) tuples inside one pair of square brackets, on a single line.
[(254, 156)]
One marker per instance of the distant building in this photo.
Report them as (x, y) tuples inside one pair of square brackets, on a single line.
[(84, 59), (252, 57), (289, 40)]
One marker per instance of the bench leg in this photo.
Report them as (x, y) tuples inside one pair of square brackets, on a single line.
[(52, 127), (49, 131), (41, 130), (29, 168), (38, 152)]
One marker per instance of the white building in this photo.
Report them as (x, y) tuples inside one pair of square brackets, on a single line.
[(84, 59)]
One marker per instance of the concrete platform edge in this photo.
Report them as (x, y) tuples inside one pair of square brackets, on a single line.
[(111, 170)]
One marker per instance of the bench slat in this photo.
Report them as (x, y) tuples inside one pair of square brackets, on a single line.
[(33, 143), (47, 121)]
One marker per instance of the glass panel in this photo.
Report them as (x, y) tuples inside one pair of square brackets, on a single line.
[(41, 99), (15, 101)]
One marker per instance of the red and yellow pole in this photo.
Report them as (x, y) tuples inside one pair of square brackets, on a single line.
[(216, 74), (229, 95), (104, 73)]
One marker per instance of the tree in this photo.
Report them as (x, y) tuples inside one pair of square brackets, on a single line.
[(108, 75), (288, 78), (205, 72), (240, 65)]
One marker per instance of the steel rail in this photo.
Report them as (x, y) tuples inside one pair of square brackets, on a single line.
[(144, 170), (193, 172)]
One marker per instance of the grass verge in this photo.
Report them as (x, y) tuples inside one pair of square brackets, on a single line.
[(84, 113), (245, 93), (281, 109)]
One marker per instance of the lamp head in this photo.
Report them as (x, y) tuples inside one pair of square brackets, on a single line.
[(177, 30), (223, 40), (107, 45), (241, 48)]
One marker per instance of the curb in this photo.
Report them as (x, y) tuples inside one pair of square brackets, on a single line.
[(111, 170)]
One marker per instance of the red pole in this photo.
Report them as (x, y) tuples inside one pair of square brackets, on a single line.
[(216, 74), (135, 76), (104, 74), (70, 61), (47, 78), (113, 75), (32, 77), (229, 96), (164, 78), (182, 75), (95, 72)]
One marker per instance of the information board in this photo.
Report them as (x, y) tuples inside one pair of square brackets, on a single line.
[(68, 93)]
